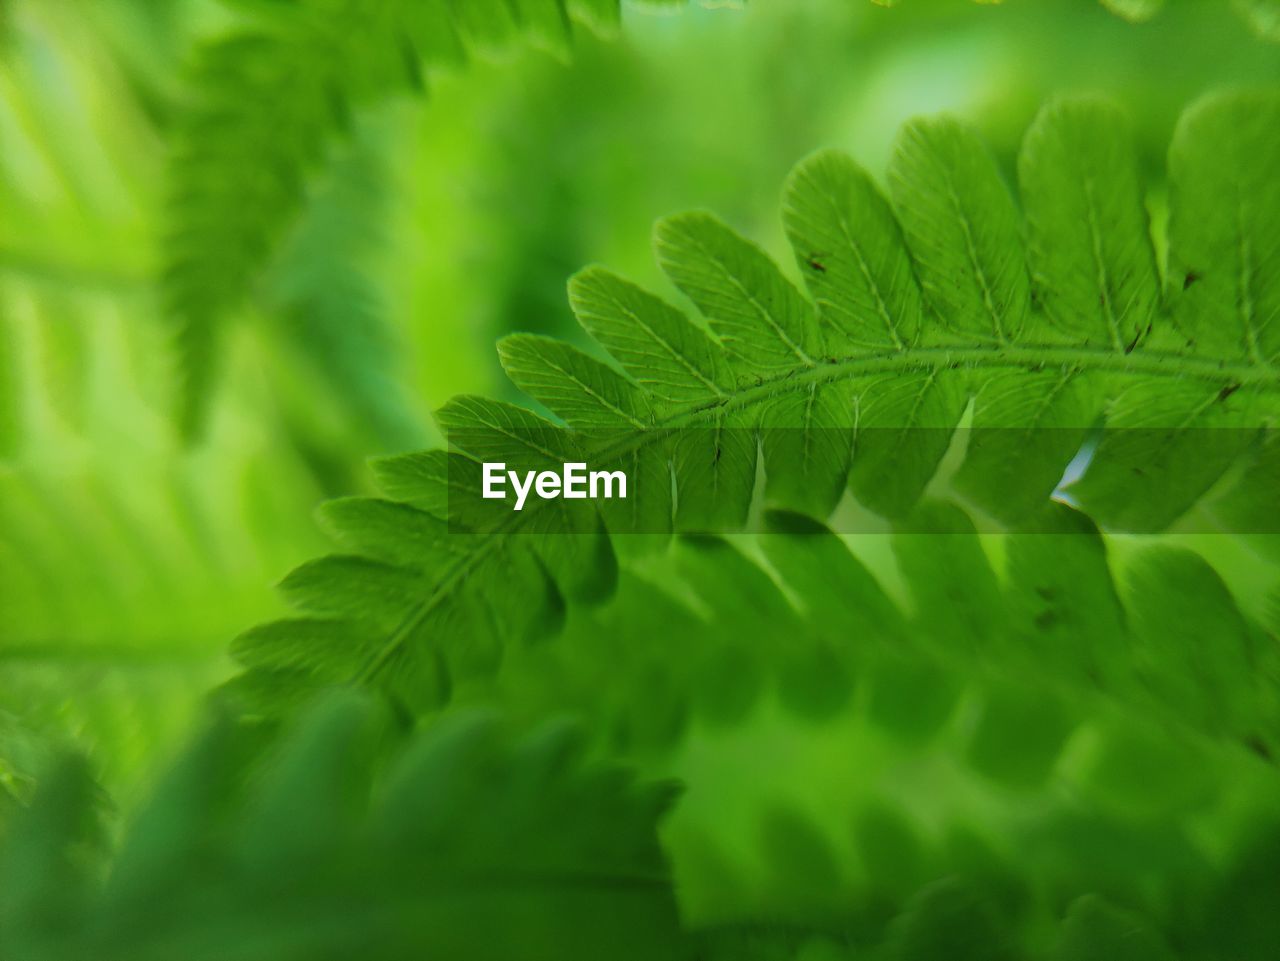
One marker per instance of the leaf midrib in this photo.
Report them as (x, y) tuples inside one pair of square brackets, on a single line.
[(1034, 357)]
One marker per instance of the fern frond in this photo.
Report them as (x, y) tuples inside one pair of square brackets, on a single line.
[(345, 837), (270, 99), (461, 844), (1062, 633), (117, 584), (326, 312), (868, 379)]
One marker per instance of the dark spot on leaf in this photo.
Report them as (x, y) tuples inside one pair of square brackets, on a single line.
[(717, 458), (1259, 747), (1046, 592), (1137, 336), (1046, 619), (816, 264), (1228, 391), (1190, 279)]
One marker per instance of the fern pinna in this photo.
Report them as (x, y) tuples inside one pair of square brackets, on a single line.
[(921, 313)]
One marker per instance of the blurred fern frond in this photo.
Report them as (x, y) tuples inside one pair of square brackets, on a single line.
[(346, 837), (269, 100), (463, 845), (125, 560)]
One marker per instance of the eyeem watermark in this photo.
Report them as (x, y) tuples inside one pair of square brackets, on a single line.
[(700, 480), (574, 482)]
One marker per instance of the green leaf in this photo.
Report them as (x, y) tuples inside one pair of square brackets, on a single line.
[(835, 590), (1194, 646), (1065, 610), (329, 649), (963, 231), (491, 430), (267, 101), (806, 444), (464, 844), (1013, 471), (1089, 242), (1095, 930), (1224, 227), (948, 922), (714, 470), (353, 587), (1165, 446), (762, 321), (905, 421), (954, 590), (849, 249), (577, 388), (387, 531), (801, 861), (666, 354), (1018, 736)]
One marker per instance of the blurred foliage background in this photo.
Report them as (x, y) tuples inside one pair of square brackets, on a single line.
[(431, 225)]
